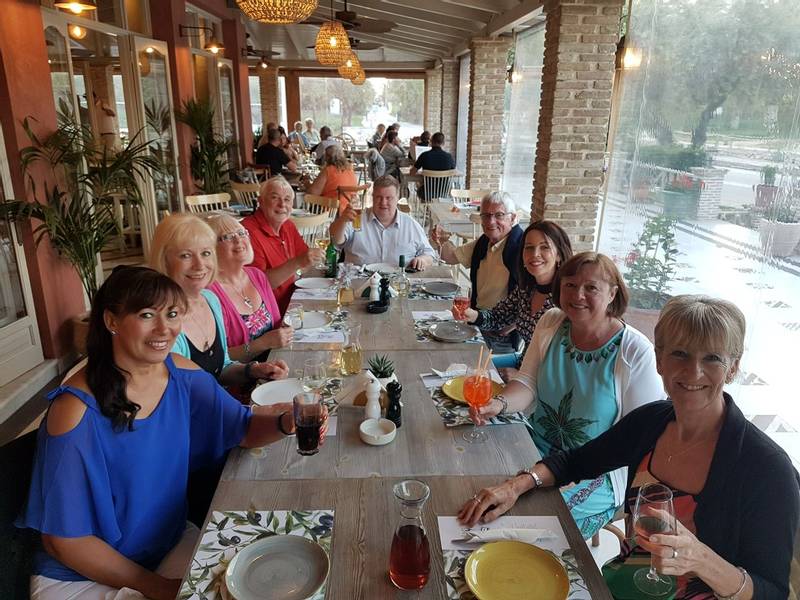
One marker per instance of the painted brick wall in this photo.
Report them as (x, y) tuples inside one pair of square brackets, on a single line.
[(449, 103), (268, 85), (580, 44), (486, 94), (433, 99)]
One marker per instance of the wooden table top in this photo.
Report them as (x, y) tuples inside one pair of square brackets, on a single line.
[(423, 446), (366, 516)]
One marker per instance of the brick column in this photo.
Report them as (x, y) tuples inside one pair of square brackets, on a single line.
[(449, 103), (580, 43), (710, 191), (268, 84), (433, 99), (487, 83)]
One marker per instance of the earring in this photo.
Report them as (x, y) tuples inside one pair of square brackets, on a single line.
[(113, 332)]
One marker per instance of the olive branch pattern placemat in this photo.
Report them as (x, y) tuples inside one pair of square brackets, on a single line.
[(455, 414), (229, 531), (424, 319)]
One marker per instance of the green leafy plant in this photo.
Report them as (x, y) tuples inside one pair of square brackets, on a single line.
[(785, 213), (209, 152), (381, 366), (673, 156), (651, 263), (159, 124), (76, 213), (768, 174)]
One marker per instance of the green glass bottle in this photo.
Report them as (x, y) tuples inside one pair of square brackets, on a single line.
[(331, 260)]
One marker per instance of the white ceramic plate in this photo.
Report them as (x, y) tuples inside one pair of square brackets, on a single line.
[(275, 392), (281, 567), (385, 268), (316, 319), (453, 331), (440, 288), (314, 283)]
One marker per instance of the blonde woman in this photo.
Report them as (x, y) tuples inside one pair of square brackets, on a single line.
[(184, 248)]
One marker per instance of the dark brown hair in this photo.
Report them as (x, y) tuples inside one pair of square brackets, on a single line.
[(611, 275), (563, 247)]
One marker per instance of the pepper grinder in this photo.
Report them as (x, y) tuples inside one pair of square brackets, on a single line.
[(386, 295), (394, 409)]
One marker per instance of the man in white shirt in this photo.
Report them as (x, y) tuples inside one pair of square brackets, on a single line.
[(326, 140), (386, 233)]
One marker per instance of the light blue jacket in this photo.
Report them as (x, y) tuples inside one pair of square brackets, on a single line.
[(181, 343)]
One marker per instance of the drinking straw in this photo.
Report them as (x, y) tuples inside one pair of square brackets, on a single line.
[(486, 364), (480, 360)]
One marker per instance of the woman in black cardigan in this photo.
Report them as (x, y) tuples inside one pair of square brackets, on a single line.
[(735, 490)]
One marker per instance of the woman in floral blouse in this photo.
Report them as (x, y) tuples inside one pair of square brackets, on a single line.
[(545, 248)]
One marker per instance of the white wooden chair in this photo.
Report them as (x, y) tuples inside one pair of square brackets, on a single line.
[(318, 205), (461, 196), (311, 227), (207, 202), (246, 194), (436, 185)]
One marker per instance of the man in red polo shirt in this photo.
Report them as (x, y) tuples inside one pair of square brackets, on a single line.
[(278, 248)]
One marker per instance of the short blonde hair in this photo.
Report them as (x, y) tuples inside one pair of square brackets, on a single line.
[(277, 180), (701, 322), (180, 230)]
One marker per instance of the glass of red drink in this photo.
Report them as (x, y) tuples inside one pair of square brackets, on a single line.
[(308, 419), (460, 304), (410, 556)]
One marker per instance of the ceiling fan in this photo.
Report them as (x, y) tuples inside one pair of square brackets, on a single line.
[(251, 52), (357, 44), (352, 22)]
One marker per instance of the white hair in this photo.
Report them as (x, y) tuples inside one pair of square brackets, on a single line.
[(503, 198), (278, 180)]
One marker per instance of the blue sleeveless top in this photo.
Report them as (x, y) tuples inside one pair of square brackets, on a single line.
[(128, 488)]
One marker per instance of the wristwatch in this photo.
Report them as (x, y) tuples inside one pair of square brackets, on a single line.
[(537, 481)]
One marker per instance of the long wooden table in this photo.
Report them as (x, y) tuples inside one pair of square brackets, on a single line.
[(366, 515)]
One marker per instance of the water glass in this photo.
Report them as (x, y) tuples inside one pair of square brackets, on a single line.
[(314, 374)]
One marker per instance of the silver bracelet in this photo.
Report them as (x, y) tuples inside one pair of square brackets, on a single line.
[(504, 402), (735, 594), (537, 481)]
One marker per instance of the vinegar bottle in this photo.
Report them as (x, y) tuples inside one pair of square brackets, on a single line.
[(410, 556)]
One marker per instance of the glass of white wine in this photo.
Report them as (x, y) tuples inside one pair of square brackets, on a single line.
[(653, 514), (322, 243), (314, 374)]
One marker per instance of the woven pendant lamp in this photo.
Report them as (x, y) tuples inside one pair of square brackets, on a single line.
[(278, 11), (332, 46), (351, 67), (360, 78)]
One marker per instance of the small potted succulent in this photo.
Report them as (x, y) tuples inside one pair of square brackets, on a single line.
[(383, 369)]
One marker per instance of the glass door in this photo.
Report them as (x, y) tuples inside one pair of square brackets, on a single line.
[(227, 110), (156, 116), (20, 348)]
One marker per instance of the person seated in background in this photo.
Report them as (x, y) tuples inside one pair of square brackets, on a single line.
[(326, 140), (184, 249), (435, 159), (298, 137), (376, 138), (337, 172), (385, 138), (249, 309), (385, 234), (393, 154), (492, 260), (584, 369), (422, 140), (272, 155), (735, 492), (115, 449), (289, 150), (545, 248), (278, 248), (376, 166), (312, 135)]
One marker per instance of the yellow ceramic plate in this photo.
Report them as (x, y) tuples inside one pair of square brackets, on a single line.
[(511, 570), (454, 388)]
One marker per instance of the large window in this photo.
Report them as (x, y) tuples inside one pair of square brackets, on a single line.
[(704, 181), (357, 109), (522, 115)]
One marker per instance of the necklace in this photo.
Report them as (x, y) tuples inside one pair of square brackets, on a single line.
[(206, 342), (685, 450), (245, 298)]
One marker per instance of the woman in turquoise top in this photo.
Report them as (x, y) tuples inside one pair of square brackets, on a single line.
[(184, 248), (584, 369), (108, 492)]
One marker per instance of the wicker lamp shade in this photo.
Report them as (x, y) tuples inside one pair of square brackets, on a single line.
[(360, 77), (277, 11), (332, 46), (351, 67)]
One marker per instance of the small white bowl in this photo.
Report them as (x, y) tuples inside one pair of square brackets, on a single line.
[(377, 432)]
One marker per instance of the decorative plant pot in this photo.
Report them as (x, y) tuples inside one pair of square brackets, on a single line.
[(385, 380), (778, 239), (679, 204), (80, 331)]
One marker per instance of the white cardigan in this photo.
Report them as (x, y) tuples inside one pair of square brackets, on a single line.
[(635, 377)]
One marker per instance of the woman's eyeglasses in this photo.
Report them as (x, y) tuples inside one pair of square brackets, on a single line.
[(230, 237)]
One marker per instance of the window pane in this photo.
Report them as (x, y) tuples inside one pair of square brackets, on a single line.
[(705, 160), (12, 304), (256, 119), (227, 99), (59, 68)]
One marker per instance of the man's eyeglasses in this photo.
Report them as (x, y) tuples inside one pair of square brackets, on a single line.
[(498, 216), (230, 237)]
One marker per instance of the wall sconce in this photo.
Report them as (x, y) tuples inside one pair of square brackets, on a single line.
[(76, 32), (628, 57), (213, 45), (76, 6), (263, 64)]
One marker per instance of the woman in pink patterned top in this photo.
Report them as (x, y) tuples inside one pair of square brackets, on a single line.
[(249, 309)]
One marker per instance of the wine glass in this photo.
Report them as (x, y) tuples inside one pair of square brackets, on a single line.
[(477, 393), (314, 374), (294, 319), (653, 514)]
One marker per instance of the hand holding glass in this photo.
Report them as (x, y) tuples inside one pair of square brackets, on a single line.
[(653, 514), (309, 415), (477, 393), (357, 205)]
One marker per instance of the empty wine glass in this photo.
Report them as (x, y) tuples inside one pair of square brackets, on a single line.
[(294, 319), (314, 374), (653, 514)]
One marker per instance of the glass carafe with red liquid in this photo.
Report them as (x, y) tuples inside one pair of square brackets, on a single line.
[(410, 557)]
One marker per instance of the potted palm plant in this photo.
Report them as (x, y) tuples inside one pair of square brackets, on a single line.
[(209, 152), (76, 213)]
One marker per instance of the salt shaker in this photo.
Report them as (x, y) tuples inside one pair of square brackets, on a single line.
[(374, 287), (373, 392)]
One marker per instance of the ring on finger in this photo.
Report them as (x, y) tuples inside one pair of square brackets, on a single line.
[(674, 553)]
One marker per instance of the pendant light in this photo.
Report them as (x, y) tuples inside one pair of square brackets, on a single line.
[(351, 66), (360, 78), (278, 12), (332, 46)]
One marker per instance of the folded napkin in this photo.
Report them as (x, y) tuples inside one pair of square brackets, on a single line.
[(529, 536), (453, 370)]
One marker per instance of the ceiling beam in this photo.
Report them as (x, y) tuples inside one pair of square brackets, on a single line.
[(420, 41), (405, 46), (300, 49), (424, 35), (507, 21), (391, 11), (432, 26), (371, 65), (494, 6), (449, 10)]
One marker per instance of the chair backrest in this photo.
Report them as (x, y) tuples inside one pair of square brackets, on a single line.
[(318, 205), (246, 193), (207, 202), (348, 192), (310, 227), (437, 184), (467, 195)]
